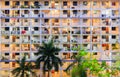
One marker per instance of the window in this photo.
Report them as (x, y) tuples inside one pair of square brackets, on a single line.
[(46, 20), (36, 20), (113, 28), (6, 37), (74, 11), (56, 53), (46, 3), (26, 20), (56, 20), (95, 53), (64, 3), (17, 3), (6, 62), (26, 11), (36, 3), (103, 28), (7, 20), (17, 45), (74, 3), (7, 11), (84, 37), (6, 45), (64, 53), (85, 20), (113, 37), (113, 4), (6, 28), (94, 3), (36, 11), (36, 28), (25, 28), (85, 45), (85, 11), (85, 3), (103, 37), (56, 37), (6, 54), (7, 3), (64, 11), (26, 3), (17, 53)]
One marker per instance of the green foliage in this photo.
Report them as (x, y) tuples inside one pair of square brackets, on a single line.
[(24, 69), (85, 64)]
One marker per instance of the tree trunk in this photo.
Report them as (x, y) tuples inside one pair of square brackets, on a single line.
[(43, 74), (48, 73), (22, 74)]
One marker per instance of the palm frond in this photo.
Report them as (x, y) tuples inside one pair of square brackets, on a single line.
[(16, 70), (70, 66)]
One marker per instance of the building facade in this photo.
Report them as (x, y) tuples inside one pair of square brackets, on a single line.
[(93, 24)]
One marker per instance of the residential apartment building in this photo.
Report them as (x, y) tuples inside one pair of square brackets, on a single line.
[(24, 24)]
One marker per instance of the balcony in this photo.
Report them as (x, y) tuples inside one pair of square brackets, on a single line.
[(6, 41), (5, 32), (35, 41), (15, 32), (35, 32), (86, 40)]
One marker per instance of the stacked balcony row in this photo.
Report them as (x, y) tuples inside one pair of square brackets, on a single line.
[(56, 22), (63, 4), (60, 13)]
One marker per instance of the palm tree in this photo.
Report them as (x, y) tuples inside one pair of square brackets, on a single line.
[(47, 56), (24, 68)]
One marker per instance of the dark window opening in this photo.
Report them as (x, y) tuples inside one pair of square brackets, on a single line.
[(74, 3), (65, 3), (7, 3)]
